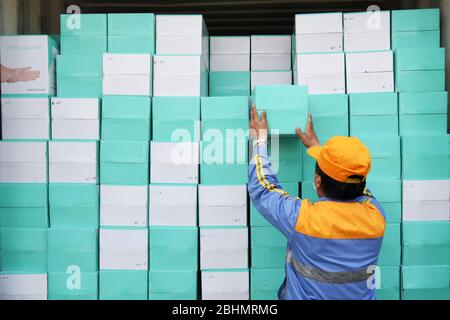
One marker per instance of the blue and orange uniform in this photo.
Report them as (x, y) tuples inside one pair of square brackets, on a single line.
[(333, 245)]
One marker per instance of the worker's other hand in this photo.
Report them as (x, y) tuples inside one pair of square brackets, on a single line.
[(259, 128), (26, 74), (309, 138)]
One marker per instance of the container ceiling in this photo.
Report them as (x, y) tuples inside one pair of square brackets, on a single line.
[(235, 17)]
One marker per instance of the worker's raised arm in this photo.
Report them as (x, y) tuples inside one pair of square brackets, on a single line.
[(279, 208)]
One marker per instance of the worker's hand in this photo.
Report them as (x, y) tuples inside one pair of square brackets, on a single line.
[(26, 74), (259, 128), (309, 138)]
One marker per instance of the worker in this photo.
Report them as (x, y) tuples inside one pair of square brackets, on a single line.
[(333, 244)]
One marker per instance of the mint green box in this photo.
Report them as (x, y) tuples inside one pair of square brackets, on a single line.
[(385, 154), (416, 39), (72, 286), (386, 190), (268, 248), (171, 114), (417, 59), (89, 37), (423, 124), (420, 81), (120, 151), (131, 33), (257, 220), (72, 247), (372, 125), (23, 249), (286, 106), (172, 285), (389, 283), (264, 283), (224, 174), (23, 205), (390, 253), (126, 118), (123, 285), (330, 114), (285, 148), (308, 191), (426, 243), (415, 20), (425, 157), (79, 76), (173, 248), (74, 205), (229, 83), (426, 282), (393, 211)]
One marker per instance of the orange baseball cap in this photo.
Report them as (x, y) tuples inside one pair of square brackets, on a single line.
[(343, 157)]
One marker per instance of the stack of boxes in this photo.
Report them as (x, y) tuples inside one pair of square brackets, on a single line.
[(25, 110), (229, 66)]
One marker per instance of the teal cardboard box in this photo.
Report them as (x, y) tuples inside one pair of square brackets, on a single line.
[(425, 157), (374, 125), (285, 148), (131, 33), (330, 114), (172, 285), (23, 205), (385, 155), (420, 81), (423, 112), (23, 250), (257, 220), (264, 283), (74, 205), (124, 162), (173, 248), (393, 211), (426, 243), (388, 283), (286, 106), (268, 248), (83, 34), (73, 285), (426, 282), (416, 59), (390, 253), (123, 285), (308, 191), (126, 118), (226, 115), (79, 76), (175, 118), (224, 174), (386, 190), (72, 247), (416, 39), (229, 83)]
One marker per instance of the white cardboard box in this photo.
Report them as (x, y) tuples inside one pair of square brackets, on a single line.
[(320, 63), (324, 42), (75, 108), (76, 129), (229, 45), (268, 78), (127, 64), (123, 205), (174, 162), (230, 62), (322, 83), (426, 190), (271, 44), (123, 249), (130, 85), (370, 82), (192, 25), (25, 108), (26, 129), (367, 22), (367, 41), (23, 286), (222, 205), (270, 61), (366, 62), (173, 205), (225, 285), (318, 23), (223, 248)]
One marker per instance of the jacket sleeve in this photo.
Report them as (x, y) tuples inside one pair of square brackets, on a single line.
[(276, 206)]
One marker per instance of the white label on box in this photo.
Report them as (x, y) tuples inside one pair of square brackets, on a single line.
[(230, 45), (270, 78), (131, 85), (230, 62), (366, 62), (320, 63), (426, 210), (23, 152), (271, 61), (25, 128), (127, 64), (363, 22), (70, 152), (129, 216), (322, 83), (324, 42), (76, 129), (317, 23), (73, 172), (367, 41), (23, 172), (25, 108), (271, 44), (123, 249), (223, 285), (370, 82), (23, 286), (180, 25), (414, 190), (75, 108)]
